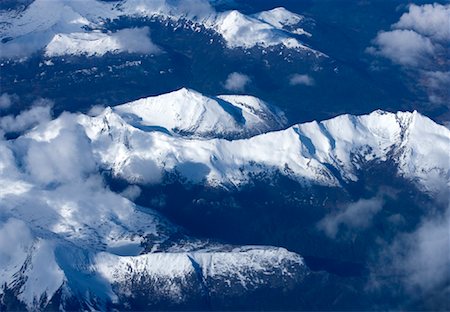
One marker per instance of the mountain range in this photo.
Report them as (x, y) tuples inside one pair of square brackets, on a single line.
[(99, 249)]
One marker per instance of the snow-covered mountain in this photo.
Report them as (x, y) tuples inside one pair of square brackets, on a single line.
[(326, 153), (80, 243), (66, 238), (188, 112), (81, 27)]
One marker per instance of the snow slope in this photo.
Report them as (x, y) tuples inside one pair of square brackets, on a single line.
[(280, 18), (80, 27), (62, 231), (98, 44), (191, 113), (324, 153)]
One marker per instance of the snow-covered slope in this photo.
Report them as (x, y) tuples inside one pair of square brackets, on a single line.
[(96, 43), (78, 239), (240, 30), (244, 269), (280, 18), (64, 233), (191, 113), (324, 153), (80, 27)]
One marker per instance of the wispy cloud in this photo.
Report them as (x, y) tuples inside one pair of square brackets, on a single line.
[(301, 79), (7, 100), (354, 216), (420, 260)]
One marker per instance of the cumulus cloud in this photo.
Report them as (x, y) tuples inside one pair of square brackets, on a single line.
[(135, 40), (405, 47), (431, 20), (420, 33), (237, 81), (41, 111), (64, 158), (299, 79), (357, 215), (419, 43)]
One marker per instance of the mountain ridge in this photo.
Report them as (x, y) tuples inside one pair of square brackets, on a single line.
[(72, 29), (304, 152)]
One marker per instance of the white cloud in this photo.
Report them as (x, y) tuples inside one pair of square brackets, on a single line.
[(357, 215), (131, 192), (299, 79), (432, 20), (237, 81), (419, 42), (96, 110), (136, 40), (404, 47), (38, 113), (65, 158), (421, 33)]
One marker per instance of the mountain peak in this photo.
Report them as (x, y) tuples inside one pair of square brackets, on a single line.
[(188, 112)]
